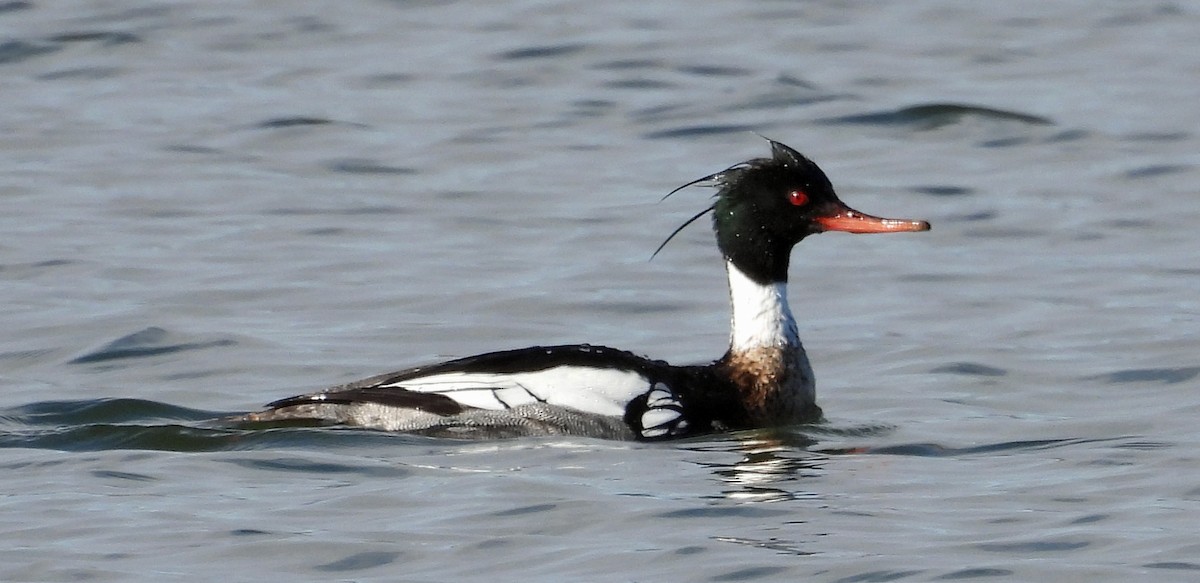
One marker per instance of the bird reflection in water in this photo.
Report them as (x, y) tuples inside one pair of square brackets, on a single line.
[(771, 460)]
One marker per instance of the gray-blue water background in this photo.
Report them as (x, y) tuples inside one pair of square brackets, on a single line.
[(205, 206)]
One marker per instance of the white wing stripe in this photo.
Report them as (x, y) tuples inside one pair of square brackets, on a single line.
[(599, 391)]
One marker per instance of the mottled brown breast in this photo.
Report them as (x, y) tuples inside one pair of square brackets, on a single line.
[(775, 383)]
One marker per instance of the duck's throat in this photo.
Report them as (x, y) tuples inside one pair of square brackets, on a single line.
[(761, 315), (765, 360)]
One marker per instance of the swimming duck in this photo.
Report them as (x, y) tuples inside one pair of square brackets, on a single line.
[(762, 208)]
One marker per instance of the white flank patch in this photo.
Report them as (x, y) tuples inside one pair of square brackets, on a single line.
[(761, 316), (658, 418), (663, 413), (592, 390)]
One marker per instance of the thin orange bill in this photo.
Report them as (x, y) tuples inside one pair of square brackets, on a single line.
[(851, 221)]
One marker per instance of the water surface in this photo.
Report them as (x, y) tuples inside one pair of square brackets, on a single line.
[(208, 206)]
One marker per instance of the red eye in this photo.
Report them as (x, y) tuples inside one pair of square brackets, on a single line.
[(798, 197)]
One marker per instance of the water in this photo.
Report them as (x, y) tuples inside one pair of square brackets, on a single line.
[(207, 206)]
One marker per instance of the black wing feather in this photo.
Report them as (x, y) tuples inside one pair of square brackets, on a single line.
[(532, 359)]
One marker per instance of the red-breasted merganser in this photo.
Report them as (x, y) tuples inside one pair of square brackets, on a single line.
[(763, 207)]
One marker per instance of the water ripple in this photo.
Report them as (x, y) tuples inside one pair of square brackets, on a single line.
[(939, 450), (1168, 376), (15, 51), (308, 467), (15, 5), (748, 574), (970, 368), (974, 574), (362, 166), (300, 121), (122, 424), (935, 115), (1174, 565), (360, 561), (540, 52), (877, 576), (147, 342), (1037, 546), (697, 131)]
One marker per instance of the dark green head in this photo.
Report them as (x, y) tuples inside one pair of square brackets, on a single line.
[(767, 205)]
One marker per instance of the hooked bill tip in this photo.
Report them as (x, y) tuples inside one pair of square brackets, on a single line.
[(908, 225)]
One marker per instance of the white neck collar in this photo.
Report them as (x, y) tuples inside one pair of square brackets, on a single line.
[(761, 316)]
